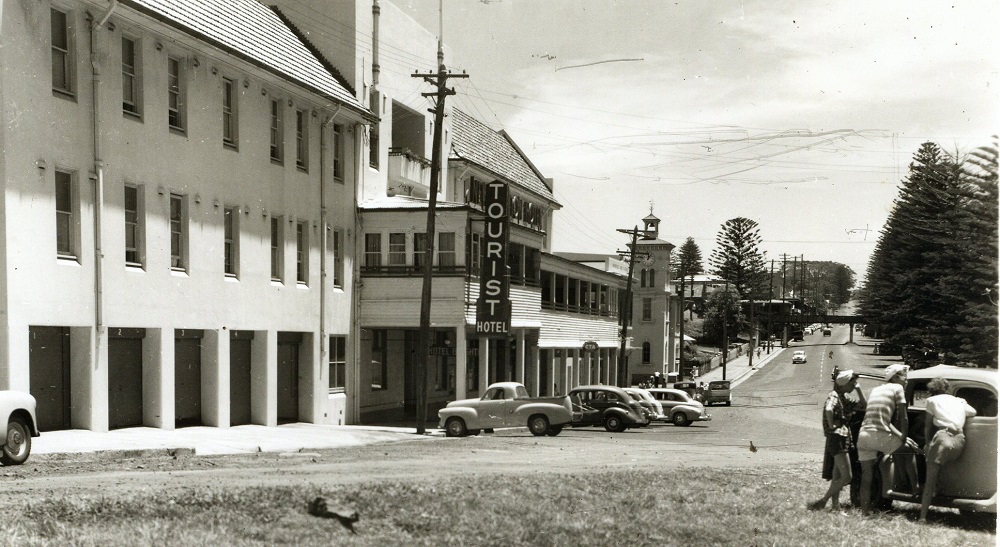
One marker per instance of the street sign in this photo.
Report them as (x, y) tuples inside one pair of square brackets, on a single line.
[(590, 345)]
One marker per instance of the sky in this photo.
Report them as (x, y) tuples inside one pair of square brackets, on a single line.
[(802, 116)]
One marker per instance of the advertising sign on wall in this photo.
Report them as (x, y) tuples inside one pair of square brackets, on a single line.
[(493, 306)]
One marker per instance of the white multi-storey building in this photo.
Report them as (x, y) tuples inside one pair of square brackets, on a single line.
[(178, 181)]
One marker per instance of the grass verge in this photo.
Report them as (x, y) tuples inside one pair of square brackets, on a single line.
[(698, 507)]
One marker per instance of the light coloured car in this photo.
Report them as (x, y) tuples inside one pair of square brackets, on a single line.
[(18, 410), (968, 484), (799, 357), (506, 404), (680, 407), (653, 407)]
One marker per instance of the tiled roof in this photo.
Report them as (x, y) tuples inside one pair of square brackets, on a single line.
[(476, 142), (254, 32)]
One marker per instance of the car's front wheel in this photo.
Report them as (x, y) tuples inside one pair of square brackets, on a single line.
[(614, 424), (455, 427), (681, 419), (18, 443), (538, 425)]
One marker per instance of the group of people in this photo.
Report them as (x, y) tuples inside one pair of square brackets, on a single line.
[(885, 430)]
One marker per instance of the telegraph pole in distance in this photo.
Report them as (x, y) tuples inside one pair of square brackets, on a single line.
[(439, 80), (627, 312)]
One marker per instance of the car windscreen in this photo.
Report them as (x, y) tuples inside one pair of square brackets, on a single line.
[(718, 385)]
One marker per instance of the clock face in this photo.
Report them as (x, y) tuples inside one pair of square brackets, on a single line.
[(647, 261)]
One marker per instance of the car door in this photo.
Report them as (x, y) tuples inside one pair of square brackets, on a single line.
[(493, 408), (584, 411), (973, 475)]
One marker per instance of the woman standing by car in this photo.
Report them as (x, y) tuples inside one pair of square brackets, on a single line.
[(836, 426), (947, 414)]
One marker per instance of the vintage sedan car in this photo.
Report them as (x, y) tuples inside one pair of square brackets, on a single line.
[(799, 357), (717, 392), (679, 407), (506, 404), (609, 406), (18, 409), (653, 408), (968, 484)]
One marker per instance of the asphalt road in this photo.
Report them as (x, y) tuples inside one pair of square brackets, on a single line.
[(774, 421)]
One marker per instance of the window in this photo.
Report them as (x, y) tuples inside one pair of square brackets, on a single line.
[(373, 149), (276, 249), (445, 369), (230, 223), (302, 140), (62, 54), (338, 260), (131, 84), (475, 259), (446, 249), (277, 132), (652, 278), (178, 233), (380, 360), (647, 309), (338, 363), (338, 152), (230, 119), (419, 250), (65, 220), (133, 227), (646, 352), (532, 265), (515, 261), (642, 278), (373, 250), (301, 253), (175, 102), (397, 249)]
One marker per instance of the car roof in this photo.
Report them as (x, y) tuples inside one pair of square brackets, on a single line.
[(597, 386), (506, 384), (667, 390), (950, 372)]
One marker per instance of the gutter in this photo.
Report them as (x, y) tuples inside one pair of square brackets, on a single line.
[(324, 342)]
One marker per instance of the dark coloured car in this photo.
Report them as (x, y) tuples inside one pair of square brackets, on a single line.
[(609, 406)]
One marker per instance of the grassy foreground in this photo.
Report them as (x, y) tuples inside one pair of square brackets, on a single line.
[(699, 507)]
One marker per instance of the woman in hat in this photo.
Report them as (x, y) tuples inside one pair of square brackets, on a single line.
[(836, 426)]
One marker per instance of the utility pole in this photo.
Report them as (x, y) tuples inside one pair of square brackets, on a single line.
[(680, 313), (627, 312), (770, 297), (439, 80), (725, 336)]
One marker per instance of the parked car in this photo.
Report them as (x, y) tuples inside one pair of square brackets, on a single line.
[(807, 330), (827, 332), (506, 404), (691, 388), (653, 408), (680, 408), (799, 357), (718, 392), (609, 406), (968, 484), (18, 409)]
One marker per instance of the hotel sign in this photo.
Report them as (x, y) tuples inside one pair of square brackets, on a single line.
[(493, 306)]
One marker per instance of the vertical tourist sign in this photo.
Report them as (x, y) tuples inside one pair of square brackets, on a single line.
[(493, 306)]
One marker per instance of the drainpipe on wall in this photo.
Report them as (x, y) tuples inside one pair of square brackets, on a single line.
[(99, 189), (324, 346), (354, 402)]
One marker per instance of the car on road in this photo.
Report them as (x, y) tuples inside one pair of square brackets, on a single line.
[(717, 392), (968, 484), (609, 406), (679, 407), (18, 409), (808, 330), (827, 332), (506, 404), (799, 357)]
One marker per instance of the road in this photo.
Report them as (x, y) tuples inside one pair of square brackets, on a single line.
[(777, 409)]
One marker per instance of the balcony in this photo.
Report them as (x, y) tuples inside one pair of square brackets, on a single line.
[(409, 174)]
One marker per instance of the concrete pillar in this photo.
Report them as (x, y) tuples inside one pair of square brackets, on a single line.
[(461, 362), (549, 389), (264, 378), (576, 366), (215, 369), (310, 375), (158, 379), (484, 365), (88, 380), (519, 357), (14, 369)]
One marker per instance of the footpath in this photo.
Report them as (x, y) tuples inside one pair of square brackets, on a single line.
[(738, 369)]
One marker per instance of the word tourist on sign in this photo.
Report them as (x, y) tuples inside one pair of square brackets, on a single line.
[(493, 306), (519, 210)]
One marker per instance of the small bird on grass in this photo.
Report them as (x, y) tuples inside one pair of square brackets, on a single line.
[(752, 447)]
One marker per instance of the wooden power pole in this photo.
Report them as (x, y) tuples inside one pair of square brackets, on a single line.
[(439, 80)]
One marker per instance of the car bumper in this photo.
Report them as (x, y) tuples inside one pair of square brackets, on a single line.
[(704, 418)]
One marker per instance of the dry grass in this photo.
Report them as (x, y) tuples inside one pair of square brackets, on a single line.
[(700, 507)]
